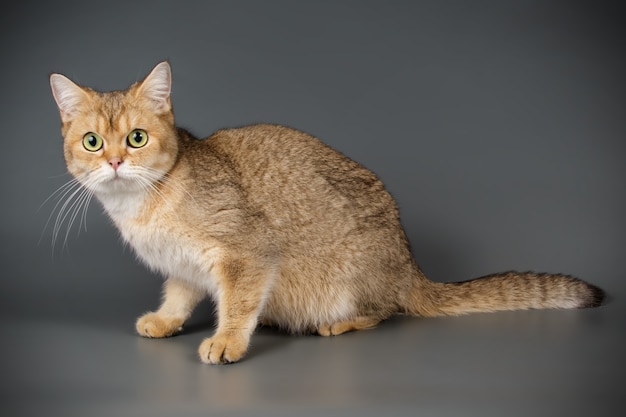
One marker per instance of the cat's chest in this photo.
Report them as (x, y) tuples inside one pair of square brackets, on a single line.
[(170, 247)]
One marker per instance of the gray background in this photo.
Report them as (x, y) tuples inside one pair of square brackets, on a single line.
[(498, 126)]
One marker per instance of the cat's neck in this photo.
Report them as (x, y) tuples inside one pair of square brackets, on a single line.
[(123, 202)]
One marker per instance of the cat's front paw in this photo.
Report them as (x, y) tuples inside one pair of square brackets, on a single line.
[(223, 349), (154, 325)]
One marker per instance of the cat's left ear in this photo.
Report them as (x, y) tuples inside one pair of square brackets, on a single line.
[(157, 86)]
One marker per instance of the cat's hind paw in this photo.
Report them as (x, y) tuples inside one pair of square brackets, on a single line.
[(154, 325), (357, 323)]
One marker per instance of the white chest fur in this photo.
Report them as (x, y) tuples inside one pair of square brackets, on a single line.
[(162, 240)]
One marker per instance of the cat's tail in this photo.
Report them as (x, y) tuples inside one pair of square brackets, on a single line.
[(502, 291)]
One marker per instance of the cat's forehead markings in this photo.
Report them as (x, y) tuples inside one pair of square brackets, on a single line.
[(113, 112)]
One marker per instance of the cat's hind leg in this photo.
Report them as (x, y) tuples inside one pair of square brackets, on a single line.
[(179, 300), (356, 323)]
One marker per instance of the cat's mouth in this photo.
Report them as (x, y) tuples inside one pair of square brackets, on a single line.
[(113, 181), (114, 177), (117, 185), (123, 179), (118, 174)]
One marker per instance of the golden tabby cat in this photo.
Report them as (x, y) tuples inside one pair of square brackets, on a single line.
[(276, 226)]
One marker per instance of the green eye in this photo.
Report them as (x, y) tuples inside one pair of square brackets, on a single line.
[(137, 138), (92, 142)]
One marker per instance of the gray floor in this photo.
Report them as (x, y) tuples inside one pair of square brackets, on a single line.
[(499, 127)]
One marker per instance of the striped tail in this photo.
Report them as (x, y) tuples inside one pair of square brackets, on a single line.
[(503, 291)]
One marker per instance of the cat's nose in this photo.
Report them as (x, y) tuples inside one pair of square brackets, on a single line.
[(115, 162)]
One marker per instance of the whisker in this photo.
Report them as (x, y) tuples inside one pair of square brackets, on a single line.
[(149, 179), (61, 194), (80, 203), (64, 212), (83, 218), (58, 175), (73, 198), (69, 184), (159, 177)]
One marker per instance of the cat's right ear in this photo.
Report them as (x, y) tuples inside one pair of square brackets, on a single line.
[(69, 96)]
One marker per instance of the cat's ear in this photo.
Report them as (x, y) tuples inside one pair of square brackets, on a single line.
[(156, 87), (69, 96)]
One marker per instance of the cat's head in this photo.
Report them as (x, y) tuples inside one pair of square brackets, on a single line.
[(119, 140)]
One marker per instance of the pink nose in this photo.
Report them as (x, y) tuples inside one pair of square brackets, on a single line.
[(115, 162)]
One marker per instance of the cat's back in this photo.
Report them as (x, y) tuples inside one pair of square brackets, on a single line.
[(288, 163), (269, 145), (296, 179)]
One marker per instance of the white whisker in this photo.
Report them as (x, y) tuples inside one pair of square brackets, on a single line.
[(73, 198), (61, 190), (60, 194), (151, 179), (79, 205), (83, 217), (67, 212)]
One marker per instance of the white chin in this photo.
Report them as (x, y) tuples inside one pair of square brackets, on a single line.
[(118, 184)]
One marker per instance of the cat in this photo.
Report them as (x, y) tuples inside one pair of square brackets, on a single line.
[(277, 227)]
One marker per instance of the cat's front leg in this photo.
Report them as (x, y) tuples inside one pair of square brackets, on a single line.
[(244, 285), (179, 300)]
